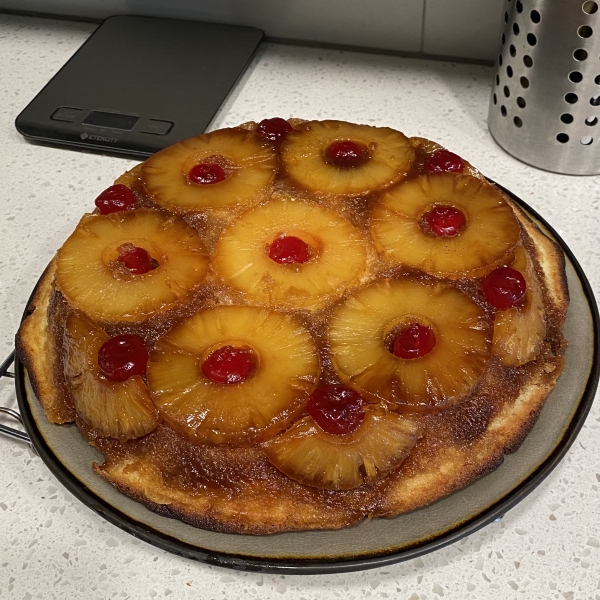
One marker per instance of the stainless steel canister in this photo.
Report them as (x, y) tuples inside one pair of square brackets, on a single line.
[(545, 104)]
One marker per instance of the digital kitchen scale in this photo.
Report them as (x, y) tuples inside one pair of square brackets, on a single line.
[(139, 84)]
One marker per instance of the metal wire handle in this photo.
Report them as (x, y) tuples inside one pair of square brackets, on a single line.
[(16, 434)]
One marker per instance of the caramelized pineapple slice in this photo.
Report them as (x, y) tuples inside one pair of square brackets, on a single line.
[(343, 158), (121, 410), (239, 166), (331, 256), (130, 177), (310, 456), (92, 279), (363, 333), (519, 331), (485, 241), (252, 407)]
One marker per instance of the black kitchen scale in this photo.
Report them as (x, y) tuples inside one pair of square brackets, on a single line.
[(140, 84)]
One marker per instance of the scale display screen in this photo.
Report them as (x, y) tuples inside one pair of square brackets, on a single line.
[(111, 120)]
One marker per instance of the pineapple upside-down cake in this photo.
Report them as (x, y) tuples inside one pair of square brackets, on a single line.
[(296, 325)]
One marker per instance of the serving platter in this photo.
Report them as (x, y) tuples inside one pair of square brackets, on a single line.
[(372, 543)]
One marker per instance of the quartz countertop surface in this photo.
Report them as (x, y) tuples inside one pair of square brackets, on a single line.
[(52, 546)]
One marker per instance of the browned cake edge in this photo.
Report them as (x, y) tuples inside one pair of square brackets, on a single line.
[(34, 344)]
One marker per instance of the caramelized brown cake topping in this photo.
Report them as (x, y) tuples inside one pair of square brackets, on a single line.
[(297, 325)]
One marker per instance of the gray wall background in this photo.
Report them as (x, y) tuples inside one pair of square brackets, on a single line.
[(468, 29)]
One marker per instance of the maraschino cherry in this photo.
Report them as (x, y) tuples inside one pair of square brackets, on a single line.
[(504, 288), (347, 154), (445, 221), (336, 409), (115, 199), (207, 173), (122, 357), (444, 161), (136, 259), (289, 249), (274, 129), (415, 341), (228, 365)]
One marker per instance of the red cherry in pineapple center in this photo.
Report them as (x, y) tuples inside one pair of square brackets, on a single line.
[(229, 365), (444, 161), (114, 199), (289, 250), (347, 154), (336, 409), (207, 173), (136, 259), (504, 288), (274, 129), (122, 357), (445, 221), (416, 341)]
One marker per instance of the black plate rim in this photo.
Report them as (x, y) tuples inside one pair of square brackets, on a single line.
[(335, 565)]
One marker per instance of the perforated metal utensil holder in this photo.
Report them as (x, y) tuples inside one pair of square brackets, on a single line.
[(545, 104)]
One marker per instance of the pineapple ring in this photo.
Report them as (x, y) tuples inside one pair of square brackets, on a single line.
[(308, 455), (520, 331), (249, 162), (489, 237), (87, 277), (358, 331), (302, 153), (338, 254), (122, 410), (269, 400)]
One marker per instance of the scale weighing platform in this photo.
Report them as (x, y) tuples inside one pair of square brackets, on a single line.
[(140, 84)]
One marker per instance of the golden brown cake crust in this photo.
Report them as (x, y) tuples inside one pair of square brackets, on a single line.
[(237, 490)]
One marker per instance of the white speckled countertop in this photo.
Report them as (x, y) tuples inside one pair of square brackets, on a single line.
[(52, 546)]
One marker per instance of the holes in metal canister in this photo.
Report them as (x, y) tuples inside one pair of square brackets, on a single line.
[(563, 138), (585, 31), (566, 118), (586, 140), (528, 61), (515, 29), (503, 39), (575, 76), (589, 8), (518, 122), (591, 121), (503, 110), (497, 79), (506, 91), (519, 6), (513, 51), (595, 100), (580, 54), (535, 16), (597, 80), (521, 102), (499, 60), (524, 82), (571, 98), (509, 71), (531, 39), (505, 17), (495, 99)]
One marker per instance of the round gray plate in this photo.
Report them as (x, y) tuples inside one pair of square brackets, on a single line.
[(371, 543)]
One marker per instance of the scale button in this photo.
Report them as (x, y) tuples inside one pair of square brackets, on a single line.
[(157, 127), (66, 113)]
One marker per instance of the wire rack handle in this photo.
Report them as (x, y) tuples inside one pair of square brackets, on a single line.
[(10, 432)]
